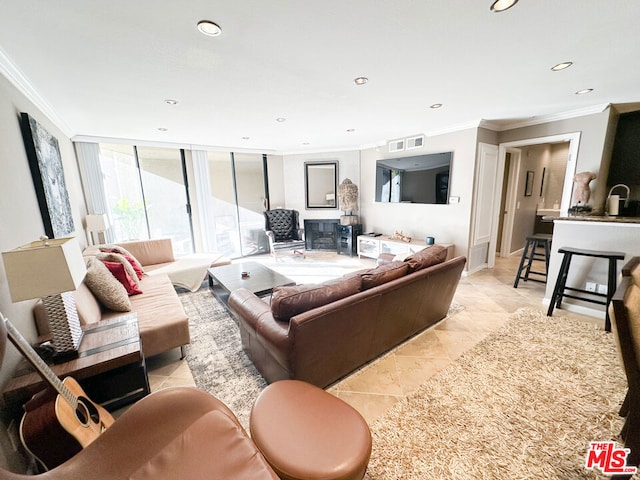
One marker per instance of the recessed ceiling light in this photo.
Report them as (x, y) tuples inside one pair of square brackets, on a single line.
[(502, 5), (246, 138), (170, 101), (305, 143), (281, 119), (351, 130), (207, 27), (436, 105), (584, 90), (162, 129), (561, 66), (360, 80)]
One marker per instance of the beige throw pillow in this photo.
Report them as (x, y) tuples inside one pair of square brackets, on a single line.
[(116, 257), (135, 263), (106, 288)]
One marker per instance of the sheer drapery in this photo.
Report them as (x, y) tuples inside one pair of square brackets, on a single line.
[(202, 190), (88, 155)]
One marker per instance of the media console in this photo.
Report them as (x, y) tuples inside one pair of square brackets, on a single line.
[(372, 247)]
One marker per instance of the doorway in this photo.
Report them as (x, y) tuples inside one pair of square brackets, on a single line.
[(515, 218)]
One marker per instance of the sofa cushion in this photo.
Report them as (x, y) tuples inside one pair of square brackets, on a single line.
[(383, 274), (287, 302), (427, 257), (88, 307), (162, 320), (109, 291), (118, 258), (149, 252)]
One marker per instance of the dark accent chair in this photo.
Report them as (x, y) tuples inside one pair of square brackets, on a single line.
[(284, 232), (625, 316)]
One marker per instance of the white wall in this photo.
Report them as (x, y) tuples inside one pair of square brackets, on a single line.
[(447, 223), (605, 236), (20, 220), (293, 173)]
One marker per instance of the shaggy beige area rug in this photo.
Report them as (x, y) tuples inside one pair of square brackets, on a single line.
[(524, 403)]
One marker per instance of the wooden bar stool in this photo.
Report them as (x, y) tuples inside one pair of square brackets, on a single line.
[(530, 254), (560, 288)]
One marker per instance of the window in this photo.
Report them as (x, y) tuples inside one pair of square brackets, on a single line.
[(146, 194)]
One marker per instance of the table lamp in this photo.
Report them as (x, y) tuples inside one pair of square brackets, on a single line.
[(96, 223), (51, 270)]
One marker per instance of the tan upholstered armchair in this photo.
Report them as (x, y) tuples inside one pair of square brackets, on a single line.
[(177, 432), (284, 232)]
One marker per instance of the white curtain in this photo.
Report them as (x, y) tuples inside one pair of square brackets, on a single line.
[(203, 196), (92, 182)]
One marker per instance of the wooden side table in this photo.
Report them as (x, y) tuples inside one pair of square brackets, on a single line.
[(110, 366)]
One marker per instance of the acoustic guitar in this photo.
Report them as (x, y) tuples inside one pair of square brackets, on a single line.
[(57, 424)]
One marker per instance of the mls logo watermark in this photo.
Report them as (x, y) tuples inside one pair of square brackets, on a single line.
[(609, 459)]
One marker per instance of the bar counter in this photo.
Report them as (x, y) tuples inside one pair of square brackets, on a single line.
[(593, 232)]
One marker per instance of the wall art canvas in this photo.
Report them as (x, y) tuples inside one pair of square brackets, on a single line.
[(45, 163)]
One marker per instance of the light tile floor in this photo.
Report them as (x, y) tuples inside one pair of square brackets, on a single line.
[(488, 298)]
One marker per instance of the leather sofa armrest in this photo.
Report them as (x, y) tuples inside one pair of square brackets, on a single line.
[(257, 315)]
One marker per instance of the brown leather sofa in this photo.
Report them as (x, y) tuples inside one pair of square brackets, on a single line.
[(363, 315)]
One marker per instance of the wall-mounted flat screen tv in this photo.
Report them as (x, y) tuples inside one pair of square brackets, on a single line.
[(418, 179)]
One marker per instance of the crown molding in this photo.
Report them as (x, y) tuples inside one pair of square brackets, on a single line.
[(11, 71), (537, 120), (320, 151), (454, 128)]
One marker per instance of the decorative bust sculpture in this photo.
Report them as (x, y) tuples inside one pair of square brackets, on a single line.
[(348, 201), (581, 191)]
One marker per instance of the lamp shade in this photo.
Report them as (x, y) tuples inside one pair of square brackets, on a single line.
[(43, 268), (96, 222)]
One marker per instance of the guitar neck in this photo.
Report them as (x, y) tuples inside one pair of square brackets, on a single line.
[(41, 367)]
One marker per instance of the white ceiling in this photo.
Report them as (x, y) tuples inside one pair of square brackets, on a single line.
[(105, 68)]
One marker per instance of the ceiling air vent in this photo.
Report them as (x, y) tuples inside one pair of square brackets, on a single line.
[(415, 142), (396, 145)]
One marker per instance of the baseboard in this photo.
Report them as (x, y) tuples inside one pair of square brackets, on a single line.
[(477, 268), (571, 307)]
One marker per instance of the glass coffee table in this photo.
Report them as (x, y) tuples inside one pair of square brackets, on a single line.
[(261, 280)]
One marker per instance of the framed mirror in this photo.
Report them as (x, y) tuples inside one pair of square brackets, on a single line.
[(321, 185)]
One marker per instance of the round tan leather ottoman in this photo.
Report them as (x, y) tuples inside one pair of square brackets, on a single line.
[(306, 433)]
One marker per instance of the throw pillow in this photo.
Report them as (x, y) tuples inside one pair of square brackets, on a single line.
[(287, 302), (427, 257), (118, 258), (383, 274), (117, 270), (137, 266), (109, 291)]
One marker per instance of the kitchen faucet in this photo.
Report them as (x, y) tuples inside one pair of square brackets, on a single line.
[(626, 199)]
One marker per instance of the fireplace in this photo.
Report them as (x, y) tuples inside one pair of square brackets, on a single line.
[(320, 234)]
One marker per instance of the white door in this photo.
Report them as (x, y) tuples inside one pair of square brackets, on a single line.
[(487, 195)]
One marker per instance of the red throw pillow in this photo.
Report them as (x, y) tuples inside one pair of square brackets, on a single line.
[(137, 266), (118, 271)]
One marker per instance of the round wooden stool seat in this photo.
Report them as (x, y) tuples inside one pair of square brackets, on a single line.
[(306, 433)]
